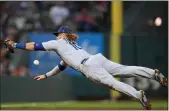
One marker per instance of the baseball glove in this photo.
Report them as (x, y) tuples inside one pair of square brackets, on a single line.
[(8, 45)]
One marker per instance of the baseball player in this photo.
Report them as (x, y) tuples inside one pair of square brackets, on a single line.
[(95, 67)]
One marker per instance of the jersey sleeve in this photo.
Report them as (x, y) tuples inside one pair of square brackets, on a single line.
[(49, 45), (60, 67)]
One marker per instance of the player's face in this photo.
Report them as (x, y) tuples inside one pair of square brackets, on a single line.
[(61, 35)]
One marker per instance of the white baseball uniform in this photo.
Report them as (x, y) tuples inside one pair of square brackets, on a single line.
[(97, 67)]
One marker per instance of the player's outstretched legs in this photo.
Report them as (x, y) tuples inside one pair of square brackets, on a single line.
[(100, 75), (134, 71), (94, 70)]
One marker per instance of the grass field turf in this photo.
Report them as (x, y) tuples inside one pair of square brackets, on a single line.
[(162, 105)]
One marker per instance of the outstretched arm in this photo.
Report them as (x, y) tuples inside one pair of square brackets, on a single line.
[(56, 70), (31, 46)]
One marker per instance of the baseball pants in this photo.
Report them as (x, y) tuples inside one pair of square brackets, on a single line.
[(101, 70)]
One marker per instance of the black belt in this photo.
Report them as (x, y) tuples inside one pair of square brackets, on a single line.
[(84, 60)]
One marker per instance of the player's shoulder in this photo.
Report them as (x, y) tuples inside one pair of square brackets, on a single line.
[(62, 40), (52, 41), (57, 41)]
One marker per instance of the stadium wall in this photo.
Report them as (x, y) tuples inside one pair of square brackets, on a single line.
[(61, 88)]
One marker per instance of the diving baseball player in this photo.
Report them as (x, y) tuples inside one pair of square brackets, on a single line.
[(95, 67)]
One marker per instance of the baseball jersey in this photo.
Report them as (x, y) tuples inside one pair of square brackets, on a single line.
[(68, 50)]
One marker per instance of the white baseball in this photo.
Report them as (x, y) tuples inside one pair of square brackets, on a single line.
[(36, 62)]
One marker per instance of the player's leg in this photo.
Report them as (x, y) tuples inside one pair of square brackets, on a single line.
[(142, 72), (133, 71), (93, 69), (100, 75)]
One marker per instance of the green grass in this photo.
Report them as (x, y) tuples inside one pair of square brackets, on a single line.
[(83, 105)]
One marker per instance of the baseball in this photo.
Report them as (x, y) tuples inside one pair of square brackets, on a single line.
[(36, 62)]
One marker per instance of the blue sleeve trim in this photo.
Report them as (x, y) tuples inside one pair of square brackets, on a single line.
[(38, 46), (61, 67), (20, 45)]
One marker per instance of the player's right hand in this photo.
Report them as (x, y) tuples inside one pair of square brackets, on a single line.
[(40, 77)]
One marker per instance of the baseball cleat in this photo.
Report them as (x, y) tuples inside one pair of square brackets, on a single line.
[(144, 101), (160, 78)]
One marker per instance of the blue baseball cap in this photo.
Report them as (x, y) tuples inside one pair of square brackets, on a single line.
[(63, 29)]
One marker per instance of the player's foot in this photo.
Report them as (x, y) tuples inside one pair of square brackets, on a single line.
[(144, 101), (160, 78)]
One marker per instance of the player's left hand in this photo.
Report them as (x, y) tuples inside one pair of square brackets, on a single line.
[(40, 77)]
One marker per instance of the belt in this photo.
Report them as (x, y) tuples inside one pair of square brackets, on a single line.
[(84, 60)]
